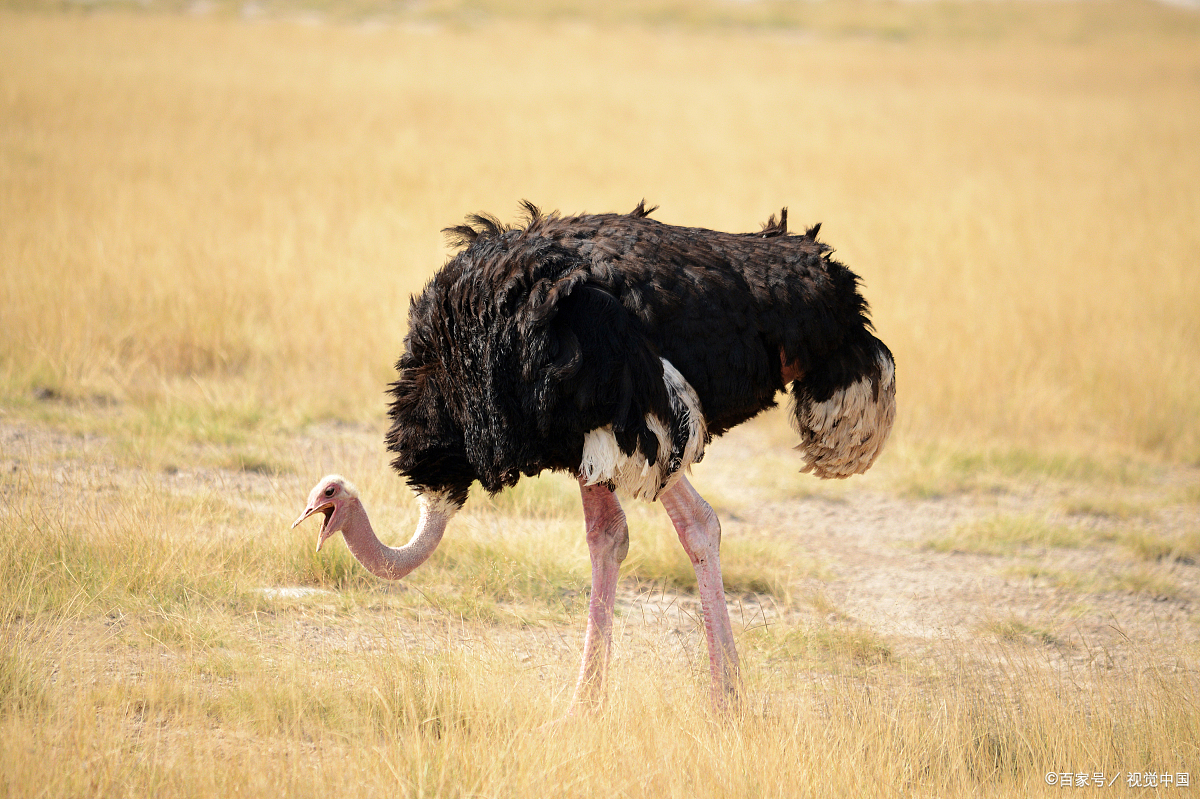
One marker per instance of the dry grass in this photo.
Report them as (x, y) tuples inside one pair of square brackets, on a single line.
[(391, 719), (1184, 548), (210, 229), (140, 650), (1005, 534), (1015, 630)]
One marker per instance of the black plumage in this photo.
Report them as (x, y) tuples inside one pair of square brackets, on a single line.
[(533, 335)]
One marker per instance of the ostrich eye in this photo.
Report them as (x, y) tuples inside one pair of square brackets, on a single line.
[(329, 491)]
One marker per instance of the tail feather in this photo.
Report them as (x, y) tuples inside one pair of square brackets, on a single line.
[(843, 433)]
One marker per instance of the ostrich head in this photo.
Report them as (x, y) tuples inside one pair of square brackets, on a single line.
[(331, 496), (335, 497)]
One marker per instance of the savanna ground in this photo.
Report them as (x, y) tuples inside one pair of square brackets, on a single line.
[(211, 218)]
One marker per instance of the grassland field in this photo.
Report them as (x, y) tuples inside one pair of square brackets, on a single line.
[(212, 216)]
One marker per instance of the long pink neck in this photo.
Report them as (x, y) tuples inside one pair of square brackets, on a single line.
[(392, 563)]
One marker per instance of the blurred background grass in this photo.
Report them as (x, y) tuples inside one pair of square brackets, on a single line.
[(217, 211)]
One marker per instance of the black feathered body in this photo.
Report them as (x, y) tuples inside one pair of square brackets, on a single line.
[(532, 337)]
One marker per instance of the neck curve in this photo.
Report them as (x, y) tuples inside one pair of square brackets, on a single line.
[(393, 563)]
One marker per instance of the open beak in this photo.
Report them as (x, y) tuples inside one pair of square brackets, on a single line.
[(327, 509)]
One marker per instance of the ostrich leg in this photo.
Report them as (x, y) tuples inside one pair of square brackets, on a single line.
[(700, 532), (608, 543)]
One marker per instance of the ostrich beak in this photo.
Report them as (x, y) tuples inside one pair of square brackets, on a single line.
[(327, 509)]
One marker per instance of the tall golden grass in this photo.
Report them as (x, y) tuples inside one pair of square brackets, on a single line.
[(393, 721), (141, 657), (224, 213)]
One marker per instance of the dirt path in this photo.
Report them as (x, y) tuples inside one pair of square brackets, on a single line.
[(1078, 602)]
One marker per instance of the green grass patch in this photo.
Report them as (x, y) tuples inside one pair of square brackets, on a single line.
[(1015, 630), (1005, 534), (547, 495), (1109, 508), (937, 470), (143, 548), (820, 643), (1147, 582), (57, 567), (333, 568), (1148, 545), (488, 567), (1028, 464), (255, 463), (1058, 578), (485, 573), (1138, 580), (194, 416)]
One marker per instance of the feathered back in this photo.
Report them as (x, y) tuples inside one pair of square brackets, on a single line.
[(532, 336), (512, 356)]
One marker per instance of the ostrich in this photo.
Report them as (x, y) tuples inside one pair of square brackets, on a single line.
[(614, 347)]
